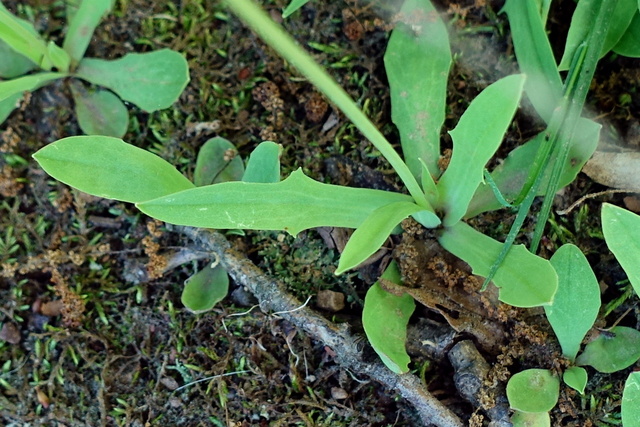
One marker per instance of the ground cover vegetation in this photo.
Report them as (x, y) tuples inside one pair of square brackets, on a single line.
[(407, 255)]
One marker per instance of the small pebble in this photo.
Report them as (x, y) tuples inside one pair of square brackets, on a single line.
[(52, 308), (330, 300), (10, 333), (338, 393)]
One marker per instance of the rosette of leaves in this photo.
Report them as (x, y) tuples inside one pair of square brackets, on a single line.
[(151, 81)]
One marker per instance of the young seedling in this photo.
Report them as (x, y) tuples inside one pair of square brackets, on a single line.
[(152, 80)]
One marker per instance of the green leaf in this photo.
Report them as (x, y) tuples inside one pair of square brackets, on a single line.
[(621, 230), (612, 350), (582, 23), (8, 105), (577, 302), (13, 64), (631, 401), (22, 37), (531, 419), (417, 62), (205, 289), (264, 163), (629, 44), (82, 25), (373, 232), (533, 390), (109, 167), (475, 139), (535, 57), (576, 378), (511, 175), (218, 161), (152, 81), (292, 7), (99, 112), (27, 83), (56, 57), (385, 317), (524, 279), (294, 204)]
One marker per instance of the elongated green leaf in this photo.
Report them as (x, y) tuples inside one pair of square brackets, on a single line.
[(417, 62), (543, 9), (385, 317), (22, 38), (218, 161), (612, 350), (8, 105), (524, 279), (373, 232), (631, 401), (577, 302), (535, 57), (13, 64), (152, 81), (82, 25), (621, 230), (629, 44), (531, 419), (533, 390), (109, 167), (511, 175), (100, 112), (582, 22), (475, 139), (27, 83), (205, 289), (292, 7), (294, 204), (264, 163), (576, 378)]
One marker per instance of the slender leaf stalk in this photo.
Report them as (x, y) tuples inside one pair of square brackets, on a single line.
[(275, 36)]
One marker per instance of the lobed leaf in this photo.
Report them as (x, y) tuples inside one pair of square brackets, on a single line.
[(475, 139), (217, 161), (294, 204), (631, 401), (205, 289), (577, 302), (417, 62), (82, 25), (385, 317), (612, 350), (621, 230), (99, 112), (109, 167), (373, 232), (576, 378), (533, 390), (524, 279), (264, 163), (152, 81)]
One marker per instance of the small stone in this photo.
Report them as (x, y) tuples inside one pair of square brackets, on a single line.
[(339, 393), (10, 333), (52, 308), (632, 203), (169, 383), (330, 300)]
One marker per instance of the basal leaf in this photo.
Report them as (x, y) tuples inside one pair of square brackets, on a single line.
[(82, 25), (27, 83), (22, 37), (385, 317), (218, 161), (524, 279), (576, 378), (8, 105), (475, 139), (535, 57), (612, 350), (109, 167), (621, 230), (533, 390), (531, 419), (417, 62), (511, 175), (99, 112), (629, 43), (631, 401), (264, 163), (294, 204), (373, 232), (577, 302), (152, 81), (13, 64), (205, 289)]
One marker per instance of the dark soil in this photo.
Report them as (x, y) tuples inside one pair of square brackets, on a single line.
[(93, 330)]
